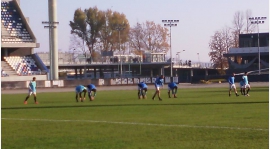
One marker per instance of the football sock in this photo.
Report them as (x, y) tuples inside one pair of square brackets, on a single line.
[(26, 98)]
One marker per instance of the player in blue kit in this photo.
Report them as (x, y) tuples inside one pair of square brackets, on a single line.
[(241, 84), (172, 87), (79, 89), (32, 90), (158, 83), (142, 90), (91, 88), (246, 85), (232, 85)]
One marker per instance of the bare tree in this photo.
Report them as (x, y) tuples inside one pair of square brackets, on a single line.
[(249, 26), (238, 24), (77, 44), (136, 39), (238, 21), (227, 38)]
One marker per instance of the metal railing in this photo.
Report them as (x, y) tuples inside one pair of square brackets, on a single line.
[(175, 65)]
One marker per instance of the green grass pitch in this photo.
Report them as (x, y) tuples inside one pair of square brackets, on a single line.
[(199, 118)]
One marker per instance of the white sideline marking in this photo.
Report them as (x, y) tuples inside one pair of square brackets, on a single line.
[(134, 123)]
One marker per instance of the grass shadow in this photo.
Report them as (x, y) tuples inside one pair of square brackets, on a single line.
[(115, 105)]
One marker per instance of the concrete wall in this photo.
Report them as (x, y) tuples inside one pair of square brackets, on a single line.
[(19, 52), (23, 78), (74, 83)]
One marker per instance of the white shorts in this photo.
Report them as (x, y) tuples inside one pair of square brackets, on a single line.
[(247, 86), (31, 92), (241, 86), (232, 86), (157, 87)]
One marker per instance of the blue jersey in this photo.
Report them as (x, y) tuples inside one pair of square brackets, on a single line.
[(245, 79), (142, 85), (172, 85), (242, 83), (79, 88), (91, 86), (32, 86), (231, 80), (159, 81)]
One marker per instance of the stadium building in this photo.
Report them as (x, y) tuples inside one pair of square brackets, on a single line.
[(246, 57)]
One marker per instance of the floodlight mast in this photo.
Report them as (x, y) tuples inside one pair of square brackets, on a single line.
[(258, 20), (170, 23), (53, 41), (120, 27), (50, 26)]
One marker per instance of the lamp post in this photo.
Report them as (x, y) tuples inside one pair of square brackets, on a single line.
[(177, 57), (170, 23), (51, 26), (120, 27), (178, 53), (199, 59), (258, 20)]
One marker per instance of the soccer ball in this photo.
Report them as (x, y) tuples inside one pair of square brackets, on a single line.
[(92, 98)]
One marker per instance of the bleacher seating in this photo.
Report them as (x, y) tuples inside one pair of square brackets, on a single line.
[(12, 21), (23, 65)]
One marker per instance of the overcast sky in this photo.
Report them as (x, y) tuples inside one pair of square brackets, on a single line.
[(198, 19)]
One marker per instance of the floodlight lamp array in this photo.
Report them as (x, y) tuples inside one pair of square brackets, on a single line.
[(170, 24), (257, 22), (47, 22), (119, 27), (258, 18), (49, 26), (170, 21)]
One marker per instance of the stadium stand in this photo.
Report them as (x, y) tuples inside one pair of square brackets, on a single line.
[(15, 30), (23, 65), (17, 45)]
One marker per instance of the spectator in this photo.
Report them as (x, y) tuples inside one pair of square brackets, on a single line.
[(189, 63), (3, 73)]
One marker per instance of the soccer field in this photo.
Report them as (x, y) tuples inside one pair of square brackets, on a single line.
[(199, 118)]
